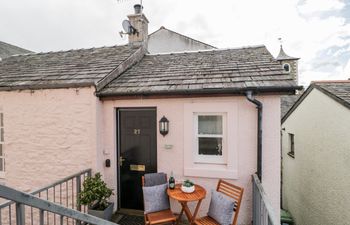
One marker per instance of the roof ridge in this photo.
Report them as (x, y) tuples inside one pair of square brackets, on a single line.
[(329, 81), (209, 50), (62, 51), (312, 86)]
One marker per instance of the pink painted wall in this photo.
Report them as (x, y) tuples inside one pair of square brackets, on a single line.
[(173, 159), (49, 134)]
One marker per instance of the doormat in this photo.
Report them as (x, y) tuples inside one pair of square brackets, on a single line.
[(124, 219)]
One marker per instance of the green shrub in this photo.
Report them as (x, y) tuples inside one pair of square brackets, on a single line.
[(95, 193)]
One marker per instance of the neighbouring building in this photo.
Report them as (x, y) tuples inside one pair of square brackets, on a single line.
[(7, 50), (164, 40), (315, 151), (70, 110)]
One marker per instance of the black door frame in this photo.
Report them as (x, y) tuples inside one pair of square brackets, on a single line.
[(117, 113)]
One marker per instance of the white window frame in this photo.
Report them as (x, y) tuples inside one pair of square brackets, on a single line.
[(210, 158), (227, 170)]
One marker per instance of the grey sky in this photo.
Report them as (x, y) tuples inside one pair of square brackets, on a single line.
[(317, 31)]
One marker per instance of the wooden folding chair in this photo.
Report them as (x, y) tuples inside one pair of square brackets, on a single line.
[(231, 191), (161, 217)]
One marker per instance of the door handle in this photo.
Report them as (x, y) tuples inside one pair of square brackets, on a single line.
[(121, 160)]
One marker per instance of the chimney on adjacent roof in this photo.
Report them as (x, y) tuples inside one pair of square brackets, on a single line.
[(139, 21)]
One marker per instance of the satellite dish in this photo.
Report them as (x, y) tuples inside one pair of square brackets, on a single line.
[(126, 26)]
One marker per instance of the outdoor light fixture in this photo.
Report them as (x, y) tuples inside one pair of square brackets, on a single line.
[(163, 126)]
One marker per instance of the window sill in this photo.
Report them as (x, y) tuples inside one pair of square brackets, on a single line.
[(291, 154), (211, 173)]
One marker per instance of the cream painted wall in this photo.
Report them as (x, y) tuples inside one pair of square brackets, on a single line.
[(316, 183), (173, 159), (49, 134), (164, 41)]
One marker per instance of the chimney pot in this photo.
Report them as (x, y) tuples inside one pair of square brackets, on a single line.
[(138, 8)]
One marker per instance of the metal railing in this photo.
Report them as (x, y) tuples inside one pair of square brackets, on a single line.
[(23, 199), (263, 213), (63, 192)]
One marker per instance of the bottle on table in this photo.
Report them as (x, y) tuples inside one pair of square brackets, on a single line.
[(171, 181)]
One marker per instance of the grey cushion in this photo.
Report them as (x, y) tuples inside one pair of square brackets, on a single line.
[(155, 198), (221, 208), (152, 179)]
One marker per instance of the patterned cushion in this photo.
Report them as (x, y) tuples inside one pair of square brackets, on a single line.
[(221, 208), (156, 198)]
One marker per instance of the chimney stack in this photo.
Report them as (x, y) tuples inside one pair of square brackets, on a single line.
[(139, 21)]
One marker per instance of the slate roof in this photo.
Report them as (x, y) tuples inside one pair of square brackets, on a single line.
[(287, 101), (211, 71), (337, 90), (283, 56), (7, 50), (71, 68)]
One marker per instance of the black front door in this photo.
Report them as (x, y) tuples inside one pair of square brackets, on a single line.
[(137, 153)]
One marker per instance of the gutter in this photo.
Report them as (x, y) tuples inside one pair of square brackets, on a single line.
[(259, 106), (230, 91)]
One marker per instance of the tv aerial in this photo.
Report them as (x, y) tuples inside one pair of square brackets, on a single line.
[(128, 28)]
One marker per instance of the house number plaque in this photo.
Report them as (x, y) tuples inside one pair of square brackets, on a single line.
[(137, 167), (137, 131)]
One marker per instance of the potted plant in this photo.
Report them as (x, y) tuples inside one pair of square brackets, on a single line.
[(187, 186), (95, 194)]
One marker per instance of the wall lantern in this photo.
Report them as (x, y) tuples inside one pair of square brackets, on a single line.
[(163, 126)]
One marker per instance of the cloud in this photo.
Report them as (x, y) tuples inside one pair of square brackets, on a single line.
[(309, 7)]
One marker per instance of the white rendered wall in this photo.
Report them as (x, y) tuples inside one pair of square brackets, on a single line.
[(316, 182), (166, 41)]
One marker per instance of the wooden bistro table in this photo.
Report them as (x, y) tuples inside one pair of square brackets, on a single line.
[(183, 198)]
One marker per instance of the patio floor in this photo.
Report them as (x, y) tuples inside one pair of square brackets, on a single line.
[(135, 217)]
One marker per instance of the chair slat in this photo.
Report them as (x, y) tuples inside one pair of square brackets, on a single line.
[(230, 190)]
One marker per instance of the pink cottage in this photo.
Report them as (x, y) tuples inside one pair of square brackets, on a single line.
[(100, 108)]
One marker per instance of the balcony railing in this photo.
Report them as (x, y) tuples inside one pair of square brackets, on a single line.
[(22, 200), (263, 213), (54, 204)]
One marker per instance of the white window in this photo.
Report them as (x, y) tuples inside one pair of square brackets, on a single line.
[(2, 156), (210, 138)]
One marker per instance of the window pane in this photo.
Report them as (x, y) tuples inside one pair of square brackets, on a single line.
[(209, 146), (209, 124), (1, 150), (1, 164), (1, 119), (2, 135)]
